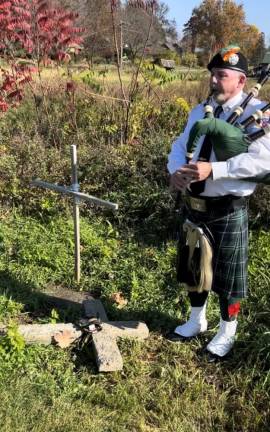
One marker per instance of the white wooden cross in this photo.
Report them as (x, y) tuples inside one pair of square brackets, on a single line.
[(73, 190)]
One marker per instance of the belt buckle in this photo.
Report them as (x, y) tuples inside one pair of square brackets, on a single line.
[(198, 204)]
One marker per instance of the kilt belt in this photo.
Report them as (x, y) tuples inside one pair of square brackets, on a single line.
[(223, 204), (226, 219)]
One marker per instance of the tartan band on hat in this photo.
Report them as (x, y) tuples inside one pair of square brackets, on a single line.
[(229, 58)]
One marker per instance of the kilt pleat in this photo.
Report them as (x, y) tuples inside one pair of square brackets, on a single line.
[(230, 246)]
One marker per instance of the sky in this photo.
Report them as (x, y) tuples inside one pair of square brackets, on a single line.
[(257, 13)]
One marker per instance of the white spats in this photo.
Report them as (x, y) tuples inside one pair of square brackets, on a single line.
[(223, 342), (196, 324)]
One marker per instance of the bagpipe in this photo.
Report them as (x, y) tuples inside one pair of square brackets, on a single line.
[(230, 138)]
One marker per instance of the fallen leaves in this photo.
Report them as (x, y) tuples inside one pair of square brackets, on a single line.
[(64, 338), (119, 299)]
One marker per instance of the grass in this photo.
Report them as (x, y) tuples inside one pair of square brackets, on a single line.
[(102, 82), (163, 387)]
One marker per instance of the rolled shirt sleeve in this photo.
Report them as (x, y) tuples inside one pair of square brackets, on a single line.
[(177, 156)]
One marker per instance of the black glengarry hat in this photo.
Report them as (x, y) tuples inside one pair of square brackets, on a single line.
[(229, 57)]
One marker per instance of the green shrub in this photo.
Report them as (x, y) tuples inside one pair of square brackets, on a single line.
[(36, 142), (189, 60), (12, 344)]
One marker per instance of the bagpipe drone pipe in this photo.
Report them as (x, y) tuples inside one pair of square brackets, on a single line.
[(230, 138)]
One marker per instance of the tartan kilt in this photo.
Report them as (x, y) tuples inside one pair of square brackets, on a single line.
[(230, 251)]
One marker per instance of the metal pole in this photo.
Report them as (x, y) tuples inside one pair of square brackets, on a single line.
[(76, 213)]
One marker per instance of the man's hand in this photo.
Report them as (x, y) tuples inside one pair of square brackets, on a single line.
[(180, 181), (197, 171)]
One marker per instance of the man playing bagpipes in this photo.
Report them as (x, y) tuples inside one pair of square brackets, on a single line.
[(216, 180)]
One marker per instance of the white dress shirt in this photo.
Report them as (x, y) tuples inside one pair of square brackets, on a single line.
[(226, 176)]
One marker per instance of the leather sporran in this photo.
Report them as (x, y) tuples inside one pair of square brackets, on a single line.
[(194, 258)]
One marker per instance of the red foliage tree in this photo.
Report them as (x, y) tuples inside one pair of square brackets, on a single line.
[(37, 31), (53, 31)]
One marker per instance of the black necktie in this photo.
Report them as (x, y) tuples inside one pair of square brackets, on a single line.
[(197, 188)]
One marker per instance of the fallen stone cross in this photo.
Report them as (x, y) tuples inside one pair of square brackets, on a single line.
[(108, 356)]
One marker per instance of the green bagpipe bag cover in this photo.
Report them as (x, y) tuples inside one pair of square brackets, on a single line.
[(227, 141)]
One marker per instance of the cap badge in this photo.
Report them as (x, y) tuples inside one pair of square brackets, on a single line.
[(228, 51), (233, 59)]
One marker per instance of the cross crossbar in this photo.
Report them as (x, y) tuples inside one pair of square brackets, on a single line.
[(69, 191)]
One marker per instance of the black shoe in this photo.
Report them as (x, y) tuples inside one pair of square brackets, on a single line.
[(214, 358), (175, 337)]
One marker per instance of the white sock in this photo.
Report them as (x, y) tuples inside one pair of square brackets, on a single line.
[(223, 342), (196, 324)]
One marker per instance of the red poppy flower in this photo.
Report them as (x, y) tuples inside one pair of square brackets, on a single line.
[(234, 309)]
